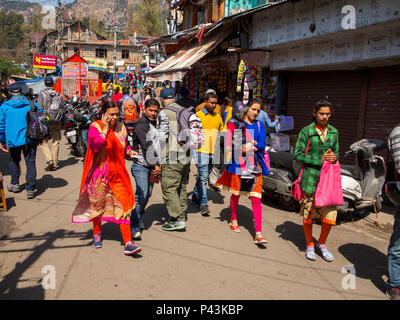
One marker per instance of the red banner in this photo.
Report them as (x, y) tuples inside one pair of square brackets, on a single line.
[(44, 62)]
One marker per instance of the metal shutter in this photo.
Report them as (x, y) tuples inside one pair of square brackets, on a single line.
[(341, 88)]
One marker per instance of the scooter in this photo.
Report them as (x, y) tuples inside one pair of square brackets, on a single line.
[(361, 184)]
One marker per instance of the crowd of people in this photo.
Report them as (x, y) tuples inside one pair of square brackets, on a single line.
[(231, 136)]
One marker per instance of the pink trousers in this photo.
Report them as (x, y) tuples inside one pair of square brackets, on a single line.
[(257, 210)]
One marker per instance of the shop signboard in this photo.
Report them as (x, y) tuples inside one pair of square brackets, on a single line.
[(97, 63), (70, 70), (235, 6), (44, 62)]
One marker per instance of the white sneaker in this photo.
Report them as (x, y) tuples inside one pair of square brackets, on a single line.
[(137, 235)]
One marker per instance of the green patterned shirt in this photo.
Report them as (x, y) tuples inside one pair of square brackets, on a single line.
[(313, 160)]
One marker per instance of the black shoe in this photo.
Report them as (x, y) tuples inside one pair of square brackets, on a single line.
[(54, 168), (205, 212), (50, 166), (195, 200)]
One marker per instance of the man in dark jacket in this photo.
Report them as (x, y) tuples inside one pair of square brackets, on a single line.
[(13, 127), (146, 168)]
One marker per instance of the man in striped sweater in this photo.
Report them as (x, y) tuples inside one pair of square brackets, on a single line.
[(393, 291)]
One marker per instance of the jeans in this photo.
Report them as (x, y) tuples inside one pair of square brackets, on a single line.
[(204, 165), (29, 151), (394, 253), (143, 193), (85, 142)]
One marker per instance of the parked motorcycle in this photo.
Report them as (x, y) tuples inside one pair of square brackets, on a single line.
[(80, 116), (361, 184)]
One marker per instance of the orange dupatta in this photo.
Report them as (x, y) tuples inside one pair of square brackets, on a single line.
[(118, 176)]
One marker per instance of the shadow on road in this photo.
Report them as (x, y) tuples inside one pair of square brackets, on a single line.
[(292, 232), (68, 162), (48, 181), (244, 217), (155, 212), (369, 263), (9, 283)]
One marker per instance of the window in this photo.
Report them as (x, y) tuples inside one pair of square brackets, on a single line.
[(125, 54), (76, 50), (101, 53)]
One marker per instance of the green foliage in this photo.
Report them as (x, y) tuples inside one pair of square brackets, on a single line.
[(11, 29), (147, 18), (13, 5), (7, 68)]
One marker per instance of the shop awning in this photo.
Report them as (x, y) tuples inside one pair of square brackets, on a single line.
[(176, 66)]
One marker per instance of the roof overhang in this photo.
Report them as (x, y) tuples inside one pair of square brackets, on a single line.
[(176, 66)]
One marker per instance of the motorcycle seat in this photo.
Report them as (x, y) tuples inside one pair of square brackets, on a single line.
[(351, 171), (281, 159)]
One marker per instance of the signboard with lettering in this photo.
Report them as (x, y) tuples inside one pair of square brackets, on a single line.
[(44, 62), (235, 6), (70, 70)]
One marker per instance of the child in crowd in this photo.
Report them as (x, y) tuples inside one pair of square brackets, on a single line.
[(237, 131)]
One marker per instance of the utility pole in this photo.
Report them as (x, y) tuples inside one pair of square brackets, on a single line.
[(117, 26)]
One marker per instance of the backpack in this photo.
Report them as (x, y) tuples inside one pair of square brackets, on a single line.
[(131, 112), (189, 126), (53, 107), (37, 126)]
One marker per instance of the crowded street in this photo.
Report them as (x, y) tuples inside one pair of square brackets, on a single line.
[(207, 261), (200, 158)]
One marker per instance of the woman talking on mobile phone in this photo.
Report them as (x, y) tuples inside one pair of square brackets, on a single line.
[(317, 142), (106, 192)]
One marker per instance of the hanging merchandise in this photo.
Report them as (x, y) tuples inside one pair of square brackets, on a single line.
[(240, 76)]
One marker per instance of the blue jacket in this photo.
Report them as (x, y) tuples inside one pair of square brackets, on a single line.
[(259, 135), (13, 121)]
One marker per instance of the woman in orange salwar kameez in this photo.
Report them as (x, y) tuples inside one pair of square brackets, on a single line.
[(106, 192)]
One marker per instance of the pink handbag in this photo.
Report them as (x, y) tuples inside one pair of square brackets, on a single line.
[(295, 190), (329, 188)]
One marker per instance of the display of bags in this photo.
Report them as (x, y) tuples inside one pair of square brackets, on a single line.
[(329, 188)]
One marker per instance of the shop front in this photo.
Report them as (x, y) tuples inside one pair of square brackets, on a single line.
[(317, 58)]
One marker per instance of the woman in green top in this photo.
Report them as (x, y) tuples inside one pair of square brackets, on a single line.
[(323, 140)]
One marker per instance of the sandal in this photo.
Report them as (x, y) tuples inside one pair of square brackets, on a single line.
[(325, 252), (310, 253), (234, 228), (260, 239)]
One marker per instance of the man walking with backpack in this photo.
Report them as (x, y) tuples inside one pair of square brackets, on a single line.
[(51, 102), (13, 129), (175, 168)]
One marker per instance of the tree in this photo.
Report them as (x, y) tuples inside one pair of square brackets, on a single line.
[(7, 68), (148, 18), (36, 20), (11, 29)]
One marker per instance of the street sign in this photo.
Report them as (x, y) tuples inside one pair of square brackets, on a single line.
[(44, 62)]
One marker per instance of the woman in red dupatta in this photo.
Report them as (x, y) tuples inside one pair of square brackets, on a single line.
[(106, 192)]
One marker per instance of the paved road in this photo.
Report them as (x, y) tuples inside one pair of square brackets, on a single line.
[(208, 261)]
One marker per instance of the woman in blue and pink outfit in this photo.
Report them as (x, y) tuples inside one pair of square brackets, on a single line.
[(233, 177)]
